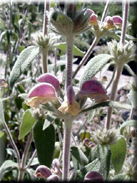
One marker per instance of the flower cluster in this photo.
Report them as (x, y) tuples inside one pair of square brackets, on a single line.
[(48, 90)]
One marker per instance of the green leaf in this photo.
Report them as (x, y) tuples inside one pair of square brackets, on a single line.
[(7, 166), (93, 166), (47, 121), (122, 178), (45, 142), (94, 66), (76, 51), (23, 62), (26, 124), (79, 155), (118, 151), (103, 153), (105, 161), (132, 123)]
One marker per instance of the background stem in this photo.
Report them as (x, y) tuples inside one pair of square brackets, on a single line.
[(105, 11), (113, 93), (86, 56), (125, 18)]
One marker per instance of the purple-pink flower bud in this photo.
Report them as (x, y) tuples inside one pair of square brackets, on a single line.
[(93, 176), (90, 11), (94, 89), (49, 78), (109, 22), (42, 171), (42, 90), (53, 178), (70, 95), (117, 20), (93, 19)]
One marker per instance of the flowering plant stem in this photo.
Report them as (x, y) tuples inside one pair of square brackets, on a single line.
[(44, 60), (86, 56), (70, 42), (119, 69), (24, 158), (66, 147), (45, 31)]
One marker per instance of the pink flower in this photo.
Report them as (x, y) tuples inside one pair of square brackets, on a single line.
[(117, 20), (49, 78), (41, 94), (90, 11), (93, 176), (109, 24), (94, 90), (42, 171), (93, 19)]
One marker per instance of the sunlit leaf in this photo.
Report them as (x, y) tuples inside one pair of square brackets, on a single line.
[(22, 63), (76, 51), (7, 166), (26, 124), (131, 123), (94, 66)]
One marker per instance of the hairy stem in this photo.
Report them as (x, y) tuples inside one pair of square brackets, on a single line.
[(24, 158), (31, 159), (125, 18), (69, 41), (66, 148), (45, 24), (113, 93), (105, 11), (45, 31), (12, 142), (86, 56), (44, 60)]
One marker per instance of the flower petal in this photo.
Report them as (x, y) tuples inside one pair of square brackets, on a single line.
[(36, 101), (94, 90), (42, 172), (73, 109), (42, 90), (117, 20), (49, 78), (93, 19)]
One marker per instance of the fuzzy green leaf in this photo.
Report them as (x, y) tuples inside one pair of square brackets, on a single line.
[(94, 66), (23, 62), (79, 155), (76, 51), (93, 166), (131, 123), (45, 142), (26, 124), (103, 153), (118, 151), (7, 166)]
